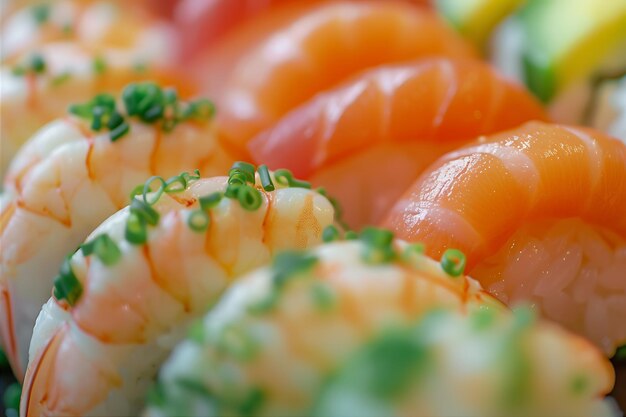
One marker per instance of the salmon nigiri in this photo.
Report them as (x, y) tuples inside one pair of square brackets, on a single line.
[(390, 124), (203, 22), (265, 70), (539, 212)]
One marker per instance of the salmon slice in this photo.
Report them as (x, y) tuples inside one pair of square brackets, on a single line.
[(539, 212), (390, 123), (266, 69), (203, 23)]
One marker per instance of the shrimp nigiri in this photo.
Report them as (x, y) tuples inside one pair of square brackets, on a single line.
[(368, 139), (77, 171), (278, 336), (39, 87), (484, 363), (98, 25), (539, 211), (265, 75), (118, 310)]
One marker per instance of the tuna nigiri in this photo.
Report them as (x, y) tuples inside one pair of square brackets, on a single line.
[(263, 73), (539, 211), (368, 139)]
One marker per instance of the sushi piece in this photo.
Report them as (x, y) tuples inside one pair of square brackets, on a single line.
[(39, 87), (55, 53), (122, 26), (203, 23), (368, 139), (124, 299), (484, 363), (264, 71), (77, 171), (539, 211), (284, 340)]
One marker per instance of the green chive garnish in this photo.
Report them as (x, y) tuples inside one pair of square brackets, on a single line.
[(378, 245), (41, 13), (144, 211), (330, 233), (266, 179), (105, 249), (286, 178), (249, 197), (136, 231), (37, 63), (157, 193), (232, 190), (287, 264), (198, 220), (119, 131), (176, 184), (66, 285), (245, 168), (60, 79), (207, 202), (99, 65), (453, 262), (351, 235)]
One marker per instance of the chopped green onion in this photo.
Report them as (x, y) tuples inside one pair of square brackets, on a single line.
[(376, 237), (12, 396), (289, 263), (330, 233), (238, 178), (207, 202), (351, 235), (66, 285), (243, 167), (41, 13), (286, 178), (158, 192), (99, 65), (138, 190), (37, 63), (249, 197), (283, 177), (60, 79), (199, 110), (119, 131), (232, 190), (453, 262), (620, 353), (266, 179), (412, 251), (378, 245), (176, 184), (323, 296), (198, 220), (144, 211), (115, 119), (105, 249), (136, 231)]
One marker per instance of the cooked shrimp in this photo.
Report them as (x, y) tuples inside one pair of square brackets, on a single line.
[(40, 87), (539, 210), (278, 336), (68, 178), (99, 25), (115, 316), (486, 363), (261, 74), (367, 140)]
